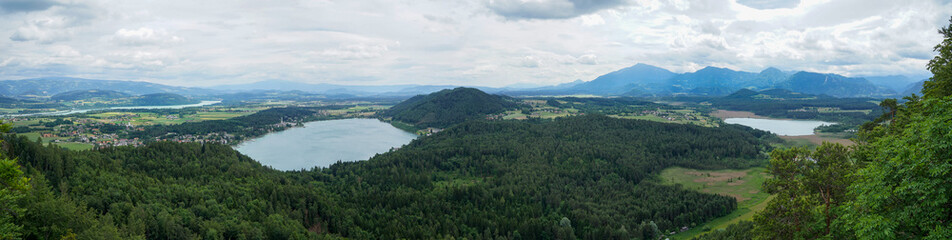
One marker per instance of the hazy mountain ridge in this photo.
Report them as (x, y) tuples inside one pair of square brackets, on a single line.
[(49, 86), (641, 76), (834, 85), (640, 80), (914, 88), (88, 94), (715, 81)]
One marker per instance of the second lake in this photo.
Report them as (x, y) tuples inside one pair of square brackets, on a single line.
[(779, 126), (322, 143)]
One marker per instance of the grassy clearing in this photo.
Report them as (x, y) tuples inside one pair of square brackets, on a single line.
[(404, 126), (75, 146), (744, 185)]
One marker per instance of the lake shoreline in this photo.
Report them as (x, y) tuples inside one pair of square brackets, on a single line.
[(781, 127), (323, 143)]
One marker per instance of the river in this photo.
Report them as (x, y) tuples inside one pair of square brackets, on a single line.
[(322, 143)]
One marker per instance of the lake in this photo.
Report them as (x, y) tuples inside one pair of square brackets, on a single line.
[(779, 126), (322, 143), (68, 112)]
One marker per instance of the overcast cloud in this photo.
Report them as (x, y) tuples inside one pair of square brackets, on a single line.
[(488, 43)]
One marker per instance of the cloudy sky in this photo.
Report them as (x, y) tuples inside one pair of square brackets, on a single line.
[(459, 42)]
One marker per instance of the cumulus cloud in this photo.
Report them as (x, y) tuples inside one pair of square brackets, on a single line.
[(769, 4), (56, 23), (588, 59), (530, 62), (44, 30), (550, 9), (489, 43), (15, 6), (355, 52), (144, 36)]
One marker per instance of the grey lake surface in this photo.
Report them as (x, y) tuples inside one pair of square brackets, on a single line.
[(779, 126), (68, 112), (322, 143)]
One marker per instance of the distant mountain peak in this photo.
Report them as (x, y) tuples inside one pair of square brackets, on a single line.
[(713, 68), (771, 70)]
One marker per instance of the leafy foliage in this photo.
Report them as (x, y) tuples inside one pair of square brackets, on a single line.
[(165, 190), (904, 190), (739, 231), (13, 185), (940, 85), (809, 188)]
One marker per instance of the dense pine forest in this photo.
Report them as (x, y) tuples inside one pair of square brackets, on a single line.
[(539, 179)]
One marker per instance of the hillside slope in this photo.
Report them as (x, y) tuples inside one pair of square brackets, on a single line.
[(644, 77), (88, 94), (447, 107), (161, 99), (833, 85), (53, 85)]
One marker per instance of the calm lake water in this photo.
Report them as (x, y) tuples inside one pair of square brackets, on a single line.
[(68, 112), (779, 127), (323, 143)]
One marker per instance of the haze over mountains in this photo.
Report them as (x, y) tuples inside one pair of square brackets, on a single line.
[(647, 80), (640, 80)]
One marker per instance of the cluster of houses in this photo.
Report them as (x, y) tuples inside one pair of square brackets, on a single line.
[(672, 116), (217, 137)]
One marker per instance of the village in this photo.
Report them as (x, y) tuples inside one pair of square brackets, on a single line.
[(84, 133), (119, 128)]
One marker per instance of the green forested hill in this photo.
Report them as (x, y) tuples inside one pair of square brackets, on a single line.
[(447, 107), (88, 94), (160, 99), (575, 177)]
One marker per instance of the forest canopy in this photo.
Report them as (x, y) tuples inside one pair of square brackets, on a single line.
[(511, 179)]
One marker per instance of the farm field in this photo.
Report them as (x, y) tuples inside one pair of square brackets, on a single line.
[(744, 185)]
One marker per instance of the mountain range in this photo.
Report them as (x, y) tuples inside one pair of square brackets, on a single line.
[(647, 80), (639, 80)]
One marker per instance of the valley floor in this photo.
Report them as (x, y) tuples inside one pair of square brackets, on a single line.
[(744, 185)]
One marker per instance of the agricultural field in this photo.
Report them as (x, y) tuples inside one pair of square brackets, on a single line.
[(682, 116), (359, 110), (744, 185), (75, 146), (151, 118)]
